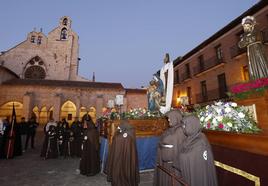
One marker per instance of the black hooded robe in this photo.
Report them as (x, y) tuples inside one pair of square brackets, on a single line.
[(17, 142), (50, 147), (90, 158), (123, 165), (196, 158), (167, 157), (78, 139)]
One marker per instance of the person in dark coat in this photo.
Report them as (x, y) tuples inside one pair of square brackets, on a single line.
[(122, 165), (90, 158), (77, 130), (3, 128), (196, 158), (17, 142), (168, 150), (31, 130)]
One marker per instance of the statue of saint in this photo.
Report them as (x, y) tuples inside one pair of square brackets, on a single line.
[(257, 60), (166, 75), (160, 91), (154, 96)]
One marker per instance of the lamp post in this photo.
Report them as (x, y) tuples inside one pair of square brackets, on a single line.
[(119, 100)]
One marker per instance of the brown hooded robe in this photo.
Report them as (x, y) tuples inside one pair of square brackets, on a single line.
[(168, 157), (122, 165), (196, 158), (90, 157)]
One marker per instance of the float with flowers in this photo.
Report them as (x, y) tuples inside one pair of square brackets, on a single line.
[(146, 122), (227, 116)]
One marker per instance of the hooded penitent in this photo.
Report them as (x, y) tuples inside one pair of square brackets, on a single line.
[(196, 158), (90, 157), (168, 149), (50, 144), (122, 165)]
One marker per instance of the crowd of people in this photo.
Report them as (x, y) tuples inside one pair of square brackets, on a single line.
[(19, 135), (183, 150), (62, 139), (80, 139)]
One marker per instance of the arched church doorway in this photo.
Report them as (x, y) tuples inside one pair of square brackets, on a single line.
[(91, 112), (68, 111), (6, 110)]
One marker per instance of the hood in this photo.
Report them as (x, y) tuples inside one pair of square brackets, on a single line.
[(175, 118), (191, 125)]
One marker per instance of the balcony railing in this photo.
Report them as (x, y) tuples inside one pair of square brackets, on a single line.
[(236, 51), (208, 64), (211, 95), (265, 35), (176, 81), (185, 76)]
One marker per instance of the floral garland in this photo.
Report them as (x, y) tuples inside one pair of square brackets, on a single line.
[(134, 113), (227, 117), (141, 113)]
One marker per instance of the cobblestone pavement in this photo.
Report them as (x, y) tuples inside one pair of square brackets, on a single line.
[(31, 170)]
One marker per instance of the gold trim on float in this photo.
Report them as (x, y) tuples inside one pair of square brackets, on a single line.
[(239, 172)]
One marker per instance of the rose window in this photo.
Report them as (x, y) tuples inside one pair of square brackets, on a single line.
[(35, 72)]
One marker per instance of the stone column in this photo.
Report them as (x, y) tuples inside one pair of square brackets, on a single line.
[(99, 105), (57, 106), (78, 105), (27, 105)]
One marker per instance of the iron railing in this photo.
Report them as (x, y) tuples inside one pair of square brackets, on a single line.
[(265, 35), (185, 76), (236, 51), (208, 64)]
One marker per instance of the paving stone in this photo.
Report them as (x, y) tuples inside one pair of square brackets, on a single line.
[(32, 170)]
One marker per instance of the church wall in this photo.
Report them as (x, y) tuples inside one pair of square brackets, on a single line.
[(65, 51), (49, 96), (60, 56), (136, 101), (5, 75)]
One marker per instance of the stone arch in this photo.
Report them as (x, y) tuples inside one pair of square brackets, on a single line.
[(68, 111), (63, 33), (92, 113), (6, 110), (82, 112), (65, 21)]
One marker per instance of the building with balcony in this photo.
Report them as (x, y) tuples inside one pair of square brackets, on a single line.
[(208, 71)]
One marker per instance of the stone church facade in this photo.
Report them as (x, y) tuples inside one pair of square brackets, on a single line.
[(40, 76)]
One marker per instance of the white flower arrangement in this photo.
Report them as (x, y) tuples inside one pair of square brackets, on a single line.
[(227, 116), (140, 113)]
